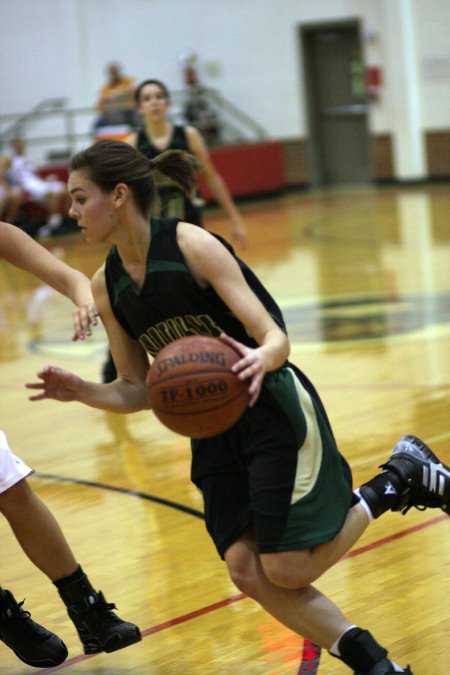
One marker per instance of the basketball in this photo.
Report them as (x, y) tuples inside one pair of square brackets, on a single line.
[(192, 390)]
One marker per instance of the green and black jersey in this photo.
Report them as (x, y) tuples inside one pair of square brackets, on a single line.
[(171, 304)]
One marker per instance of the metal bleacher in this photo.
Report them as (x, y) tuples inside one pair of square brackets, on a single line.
[(54, 130)]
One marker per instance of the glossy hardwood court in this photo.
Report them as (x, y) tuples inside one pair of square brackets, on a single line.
[(363, 275)]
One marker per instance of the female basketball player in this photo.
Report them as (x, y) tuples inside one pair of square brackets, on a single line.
[(152, 99), (277, 493), (34, 526)]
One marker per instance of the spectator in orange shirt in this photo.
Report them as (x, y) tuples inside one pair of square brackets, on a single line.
[(116, 100)]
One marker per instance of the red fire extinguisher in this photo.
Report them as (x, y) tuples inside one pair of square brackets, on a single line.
[(374, 82)]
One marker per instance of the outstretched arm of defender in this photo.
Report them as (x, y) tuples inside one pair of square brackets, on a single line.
[(17, 248)]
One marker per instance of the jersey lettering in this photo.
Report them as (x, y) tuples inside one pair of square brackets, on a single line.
[(158, 336)]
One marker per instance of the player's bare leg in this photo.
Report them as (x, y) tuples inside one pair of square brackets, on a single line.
[(37, 531), (307, 612), (295, 569), (43, 541)]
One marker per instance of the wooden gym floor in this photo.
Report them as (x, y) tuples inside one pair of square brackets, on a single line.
[(363, 275)]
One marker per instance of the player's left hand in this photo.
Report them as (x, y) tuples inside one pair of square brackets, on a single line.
[(251, 367), (84, 317)]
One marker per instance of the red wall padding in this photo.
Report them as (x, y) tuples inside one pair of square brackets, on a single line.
[(59, 171), (247, 170)]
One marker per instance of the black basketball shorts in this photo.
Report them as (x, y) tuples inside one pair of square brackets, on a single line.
[(278, 470)]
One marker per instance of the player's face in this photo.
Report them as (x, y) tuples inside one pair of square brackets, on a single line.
[(153, 102), (91, 208)]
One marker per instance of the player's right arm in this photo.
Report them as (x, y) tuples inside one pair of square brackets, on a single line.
[(127, 393)]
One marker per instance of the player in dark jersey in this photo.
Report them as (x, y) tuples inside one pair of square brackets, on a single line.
[(158, 135), (277, 493)]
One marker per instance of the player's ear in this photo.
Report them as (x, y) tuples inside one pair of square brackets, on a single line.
[(121, 192)]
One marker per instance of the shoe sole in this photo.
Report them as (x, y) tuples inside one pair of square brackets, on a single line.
[(43, 663), (114, 643), (133, 639)]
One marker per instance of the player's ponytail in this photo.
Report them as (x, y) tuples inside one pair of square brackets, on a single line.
[(179, 166), (107, 163)]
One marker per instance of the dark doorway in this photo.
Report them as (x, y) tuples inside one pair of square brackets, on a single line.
[(339, 144)]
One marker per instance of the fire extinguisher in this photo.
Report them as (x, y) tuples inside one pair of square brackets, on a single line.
[(374, 83)]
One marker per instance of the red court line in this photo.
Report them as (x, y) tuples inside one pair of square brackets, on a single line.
[(393, 537), (240, 596)]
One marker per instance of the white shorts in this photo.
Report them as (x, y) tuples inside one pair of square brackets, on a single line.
[(12, 468), (39, 188)]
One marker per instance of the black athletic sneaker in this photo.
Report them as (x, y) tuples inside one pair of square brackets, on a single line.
[(32, 643), (425, 478), (101, 630)]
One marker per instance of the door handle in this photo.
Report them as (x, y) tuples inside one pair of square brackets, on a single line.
[(339, 110)]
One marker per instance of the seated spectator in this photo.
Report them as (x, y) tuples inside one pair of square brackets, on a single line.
[(201, 115), (116, 105), (49, 191), (11, 196)]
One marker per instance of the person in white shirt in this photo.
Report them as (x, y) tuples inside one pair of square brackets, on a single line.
[(49, 191)]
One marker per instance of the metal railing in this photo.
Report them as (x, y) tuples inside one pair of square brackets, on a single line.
[(54, 131)]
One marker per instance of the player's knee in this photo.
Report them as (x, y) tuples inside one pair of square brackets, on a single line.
[(244, 569), (244, 578), (289, 570)]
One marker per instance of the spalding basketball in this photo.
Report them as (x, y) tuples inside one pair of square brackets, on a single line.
[(192, 390)]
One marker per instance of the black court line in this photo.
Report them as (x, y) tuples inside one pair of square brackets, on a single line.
[(125, 491)]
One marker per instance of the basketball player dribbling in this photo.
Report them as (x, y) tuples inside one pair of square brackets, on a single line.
[(282, 519)]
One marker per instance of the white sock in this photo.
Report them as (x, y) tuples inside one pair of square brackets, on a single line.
[(334, 649), (397, 668), (364, 504)]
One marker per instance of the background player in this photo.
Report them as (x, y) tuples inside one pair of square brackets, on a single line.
[(158, 135)]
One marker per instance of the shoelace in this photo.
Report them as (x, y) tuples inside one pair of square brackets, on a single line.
[(34, 628), (98, 606), (417, 494)]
